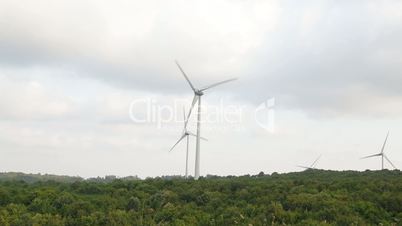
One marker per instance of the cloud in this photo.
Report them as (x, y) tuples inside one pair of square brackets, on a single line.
[(310, 56), (126, 41), (70, 69), (329, 61), (30, 100)]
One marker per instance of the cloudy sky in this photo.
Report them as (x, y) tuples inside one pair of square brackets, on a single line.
[(74, 74)]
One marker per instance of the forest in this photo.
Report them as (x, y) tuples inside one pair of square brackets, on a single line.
[(311, 197)]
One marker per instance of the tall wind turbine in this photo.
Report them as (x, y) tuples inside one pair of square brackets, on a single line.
[(197, 97), (382, 154), (312, 166), (186, 135)]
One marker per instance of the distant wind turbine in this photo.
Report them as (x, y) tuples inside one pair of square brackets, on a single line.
[(312, 166), (186, 135), (382, 154), (197, 97)]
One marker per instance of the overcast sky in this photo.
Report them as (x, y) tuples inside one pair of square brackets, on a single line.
[(70, 72)]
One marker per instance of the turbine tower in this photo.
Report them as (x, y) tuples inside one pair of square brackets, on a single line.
[(186, 135), (312, 166), (197, 97), (382, 154)]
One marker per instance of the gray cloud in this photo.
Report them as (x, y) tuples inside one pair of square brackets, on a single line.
[(69, 70), (346, 56), (124, 43), (311, 56)]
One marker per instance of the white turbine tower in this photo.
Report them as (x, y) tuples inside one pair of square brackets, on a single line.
[(312, 166), (382, 154), (186, 135), (197, 97)]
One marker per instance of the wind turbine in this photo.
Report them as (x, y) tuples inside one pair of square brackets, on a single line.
[(382, 154), (312, 166), (197, 97), (186, 135)]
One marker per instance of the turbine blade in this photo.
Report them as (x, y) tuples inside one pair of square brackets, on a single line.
[(185, 119), (185, 76), (195, 99), (217, 84), (195, 135), (390, 162), (385, 142), (312, 165), (181, 138), (369, 156), (304, 167)]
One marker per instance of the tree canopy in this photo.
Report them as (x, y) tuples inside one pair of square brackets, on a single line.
[(312, 197)]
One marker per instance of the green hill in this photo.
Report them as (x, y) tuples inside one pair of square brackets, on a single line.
[(312, 197), (32, 178)]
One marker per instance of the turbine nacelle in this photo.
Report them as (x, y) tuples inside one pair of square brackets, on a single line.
[(198, 92)]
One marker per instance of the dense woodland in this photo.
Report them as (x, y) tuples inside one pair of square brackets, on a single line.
[(312, 197)]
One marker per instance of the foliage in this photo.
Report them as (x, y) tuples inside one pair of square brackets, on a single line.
[(312, 197)]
